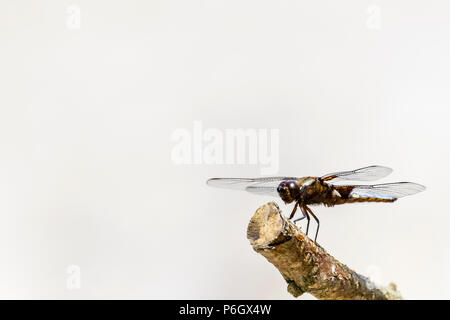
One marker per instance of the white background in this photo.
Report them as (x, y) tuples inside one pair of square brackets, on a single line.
[(86, 116)]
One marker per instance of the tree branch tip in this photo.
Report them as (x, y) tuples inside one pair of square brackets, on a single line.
[(304, 264)]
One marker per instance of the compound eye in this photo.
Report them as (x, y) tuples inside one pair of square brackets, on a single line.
[(280, 189), (292, 185)]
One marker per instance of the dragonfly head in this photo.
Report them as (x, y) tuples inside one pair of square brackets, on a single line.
[(288, 190)]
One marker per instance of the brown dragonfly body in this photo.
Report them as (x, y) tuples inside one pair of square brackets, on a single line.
[(308, 191), (313, 190)]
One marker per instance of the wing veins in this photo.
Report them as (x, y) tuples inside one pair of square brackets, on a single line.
[(369, 173)]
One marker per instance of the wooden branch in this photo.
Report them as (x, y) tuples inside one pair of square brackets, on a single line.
[(305, 265)]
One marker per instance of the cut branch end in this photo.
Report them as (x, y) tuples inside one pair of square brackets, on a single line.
[(305, 265)]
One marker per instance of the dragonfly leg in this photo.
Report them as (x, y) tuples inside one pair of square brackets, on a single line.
[(293, 211), (301, 218), (317, 220), (305, 215)]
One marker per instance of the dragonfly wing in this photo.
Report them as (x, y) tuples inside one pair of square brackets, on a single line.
[(390, 191), (264, 191), (263, 186), (362, 174)]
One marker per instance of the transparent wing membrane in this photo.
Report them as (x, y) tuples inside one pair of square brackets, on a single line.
[(262, 186), (363, 174), (389, 191), (265, 191)]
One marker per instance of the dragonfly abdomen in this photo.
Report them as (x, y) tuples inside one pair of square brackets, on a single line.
[(366, 199), (346, 194)]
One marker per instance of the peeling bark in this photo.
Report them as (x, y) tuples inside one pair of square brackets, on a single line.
[(305, 265)]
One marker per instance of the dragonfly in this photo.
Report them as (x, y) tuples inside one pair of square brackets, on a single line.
[(310, 191)]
